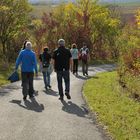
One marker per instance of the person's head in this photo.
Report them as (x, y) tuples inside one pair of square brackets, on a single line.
[(84, 45), (28, 45), (24, 44), (46, 49), (61, 43), (74, 46)]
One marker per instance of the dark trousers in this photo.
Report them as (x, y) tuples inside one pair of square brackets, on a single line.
[(66, 76), (75, 65), (85, 67), (27, 83)]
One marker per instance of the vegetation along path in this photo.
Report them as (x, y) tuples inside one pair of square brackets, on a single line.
[(45, 117)]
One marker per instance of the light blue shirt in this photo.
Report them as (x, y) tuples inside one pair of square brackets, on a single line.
[(74, 53)]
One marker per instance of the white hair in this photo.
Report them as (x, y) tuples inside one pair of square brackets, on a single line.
[(28, 45), (61, 42)]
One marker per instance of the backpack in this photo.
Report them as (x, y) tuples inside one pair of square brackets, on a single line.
[(45, 63), (84, 54)]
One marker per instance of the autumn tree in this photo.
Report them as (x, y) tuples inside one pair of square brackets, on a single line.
[(138, 18), (13, 22)]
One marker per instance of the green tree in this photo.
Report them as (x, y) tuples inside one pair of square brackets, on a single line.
[(13, 22), (83, 21), (138, 18)]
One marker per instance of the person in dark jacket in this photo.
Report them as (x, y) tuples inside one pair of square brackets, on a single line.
[(62, 63), (28, 62), (45, 59)]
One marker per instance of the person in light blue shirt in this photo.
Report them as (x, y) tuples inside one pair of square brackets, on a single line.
[(28, 62), (74, 53)]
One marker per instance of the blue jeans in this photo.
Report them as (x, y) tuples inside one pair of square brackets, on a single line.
[(66, 76), (46, 77)]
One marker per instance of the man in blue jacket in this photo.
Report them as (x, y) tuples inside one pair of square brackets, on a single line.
[(27, 59)]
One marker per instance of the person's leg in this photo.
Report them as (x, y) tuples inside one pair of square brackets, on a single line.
[(48, 79), (66, 76), (24, 84), (31, 88), (76, 66), (73, 66), (86, 68), (83, 67), (44, 78), (59, 81)]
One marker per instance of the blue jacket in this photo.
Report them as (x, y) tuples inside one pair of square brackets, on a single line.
[(28, 61)]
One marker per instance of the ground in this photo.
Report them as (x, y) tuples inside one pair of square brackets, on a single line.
[(45, 117)]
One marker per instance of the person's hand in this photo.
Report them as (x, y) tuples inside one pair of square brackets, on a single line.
[(15, 70)]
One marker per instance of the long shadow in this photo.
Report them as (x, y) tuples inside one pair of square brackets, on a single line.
[(72, 108), (50, 92), (33, 105), (84, 77), (7, 89)]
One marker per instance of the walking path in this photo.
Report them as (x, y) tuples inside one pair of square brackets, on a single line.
[(46, 117)]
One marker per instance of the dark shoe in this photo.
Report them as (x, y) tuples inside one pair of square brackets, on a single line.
[(86, 73), (49, 86), (46, 87), (24, 98), (68, 96), (31, 96), (35, 92), (61, 98)]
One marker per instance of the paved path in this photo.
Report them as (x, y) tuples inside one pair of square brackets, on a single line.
[(45, 117)]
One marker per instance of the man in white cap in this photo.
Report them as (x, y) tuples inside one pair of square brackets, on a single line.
[(62, 62), (27, 59)]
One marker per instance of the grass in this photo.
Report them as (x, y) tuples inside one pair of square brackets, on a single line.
[(116, 111), (4, 74)]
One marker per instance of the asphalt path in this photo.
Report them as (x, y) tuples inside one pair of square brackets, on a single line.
[(45, 117)]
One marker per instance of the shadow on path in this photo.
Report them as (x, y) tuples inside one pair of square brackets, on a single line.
[(85, 77), (72, 108), (50, 92), (33, 105), (82, 77), (7, 89)]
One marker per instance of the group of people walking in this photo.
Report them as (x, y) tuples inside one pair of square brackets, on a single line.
[(62, 61), (82, 55)]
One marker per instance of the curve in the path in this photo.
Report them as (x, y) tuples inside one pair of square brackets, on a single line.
[(45, 117)]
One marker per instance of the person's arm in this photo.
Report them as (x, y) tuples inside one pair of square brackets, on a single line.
[(35, 64), (18, 61), (71, 64), (53, 61), (71, 61), (40, 57), (88, 55)]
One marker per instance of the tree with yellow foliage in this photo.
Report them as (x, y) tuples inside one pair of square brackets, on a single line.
[(138, 18)]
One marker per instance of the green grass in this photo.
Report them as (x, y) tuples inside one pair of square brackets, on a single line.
[(119, 113), (4, 74)]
